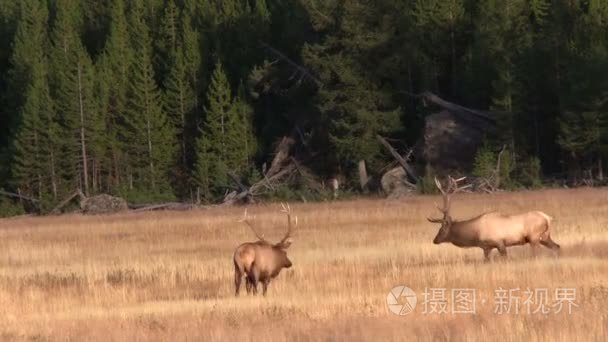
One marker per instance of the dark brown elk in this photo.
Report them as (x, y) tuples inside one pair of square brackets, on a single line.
[(493, 229), (261, 261)]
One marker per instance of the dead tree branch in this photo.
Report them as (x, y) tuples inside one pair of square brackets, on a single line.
[(302, 71), (497, 171), (408, 169), (11, 194), (77, 193), (167, 206)]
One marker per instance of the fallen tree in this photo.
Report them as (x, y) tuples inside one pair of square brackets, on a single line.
[(19, 196), (281, 168), (401, 180)]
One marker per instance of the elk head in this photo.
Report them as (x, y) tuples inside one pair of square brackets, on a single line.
[(446, 220)]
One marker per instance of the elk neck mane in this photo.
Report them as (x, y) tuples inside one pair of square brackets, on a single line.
[(475, 218)]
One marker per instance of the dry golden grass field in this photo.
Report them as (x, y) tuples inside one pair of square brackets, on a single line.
[(168, 276)]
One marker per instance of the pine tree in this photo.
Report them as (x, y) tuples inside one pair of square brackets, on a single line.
[(193, 59), (180, 104), (167, 39), (211, 145), (583, 126), (353, 108), (36, 141), (9, 13), (223, 139), (115, 65), (151, 142), (73, 91), (245, 136), (28, 49), (181, 97)]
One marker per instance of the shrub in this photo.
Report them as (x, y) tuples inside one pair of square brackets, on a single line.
[(9, 208), (529, 172), (426, 184)]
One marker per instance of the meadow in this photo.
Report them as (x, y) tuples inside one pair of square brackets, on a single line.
[(168, 276)]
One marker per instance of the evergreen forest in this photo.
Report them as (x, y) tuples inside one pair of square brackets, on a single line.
[(186, 100)]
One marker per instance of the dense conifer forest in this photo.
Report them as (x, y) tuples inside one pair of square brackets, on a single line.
[(171, 100)]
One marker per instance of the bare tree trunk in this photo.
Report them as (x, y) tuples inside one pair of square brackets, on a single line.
[(406, 167), (600, 169), (38, 176), (21, 197), (150, 153), (183, 114), (497, 186), (85, 169), (94, 175), (53, 176), (117, 178), (363, 179), (223, 137)]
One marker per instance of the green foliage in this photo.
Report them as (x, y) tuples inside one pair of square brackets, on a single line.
[(227, 142), (426, 183), (137, 84), (35, 145), (35, 153), (144, 196), (301, 194), (507, 168), (353, 108), (72, 80), (151, 140), (114, 77), (484, 165), (529, 173), (10, 208), (486, 161)]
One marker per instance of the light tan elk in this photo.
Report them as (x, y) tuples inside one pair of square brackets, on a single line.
[(492, 230), (261, 261)]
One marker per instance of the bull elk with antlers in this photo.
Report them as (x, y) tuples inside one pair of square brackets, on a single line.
[(261, 261), (493, 229)]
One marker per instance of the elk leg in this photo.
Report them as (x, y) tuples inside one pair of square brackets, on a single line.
[(238, 276), (502, 249), (486, 254), (551, 245), (248, 284), (534, 245), (255, 277), (265, 284)]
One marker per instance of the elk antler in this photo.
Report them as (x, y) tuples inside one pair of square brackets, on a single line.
[(286, 239), (245, 220), (445, 193)]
